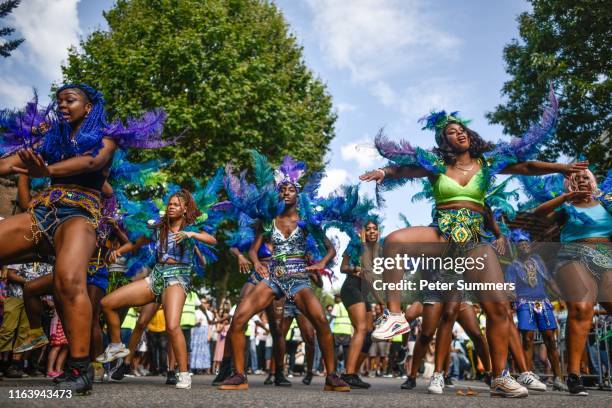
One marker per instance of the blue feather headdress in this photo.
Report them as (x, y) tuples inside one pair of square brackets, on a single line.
[(518, 235)]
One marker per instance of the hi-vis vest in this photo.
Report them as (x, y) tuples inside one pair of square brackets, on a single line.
[(130, 319), (188, 317), (342, 322)]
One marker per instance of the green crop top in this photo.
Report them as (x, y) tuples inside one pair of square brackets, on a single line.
[(445, 189)]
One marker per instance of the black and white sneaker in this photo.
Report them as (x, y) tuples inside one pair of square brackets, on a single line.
[(409, 384), (574, 384), (354, 381), (119, 372)]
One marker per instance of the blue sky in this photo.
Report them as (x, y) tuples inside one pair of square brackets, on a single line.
[(385, 62)]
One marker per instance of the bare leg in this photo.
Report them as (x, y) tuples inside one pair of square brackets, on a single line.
[(550, 340), (450, 310), (393, 246), (308, 334), (75, 242), (357, 314), (146, 314), (495, 305), (32, 291), (431, 317), (133, 294), (16, 243), (528, 337), (173, 300), (95, 296), (468, 320), (61, 359), (580, 290), (252, 304), (514, 343), (309, 305)]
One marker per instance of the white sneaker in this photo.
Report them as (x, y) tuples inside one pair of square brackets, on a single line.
[(436, 383), (183, 381), (112, 353), (390, 325), (531, 381), (506, 386)]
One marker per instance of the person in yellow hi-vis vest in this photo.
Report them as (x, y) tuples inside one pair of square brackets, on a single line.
[(188, 321), (342, 329), (128, 324)]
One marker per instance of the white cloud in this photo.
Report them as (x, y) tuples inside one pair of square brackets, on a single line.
[(372, 38), (49, 29), (363, 152), (333, 179), (345, 107), (12, 94)]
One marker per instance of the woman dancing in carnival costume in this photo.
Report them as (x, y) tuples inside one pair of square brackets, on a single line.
[(439, 315), (287, 275), (72, 143), (460, 170), (584, 261), (247, 205), (357, 263), (174, 240)]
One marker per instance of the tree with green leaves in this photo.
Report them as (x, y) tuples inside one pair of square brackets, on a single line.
[(229, 74), (8, 46), (567, 43)]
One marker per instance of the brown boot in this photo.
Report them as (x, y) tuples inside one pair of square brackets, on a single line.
[(235, 382), (334, 383)]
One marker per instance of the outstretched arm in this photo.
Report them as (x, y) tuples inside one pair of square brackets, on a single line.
[(199, 236), (536, 168), (551, 205), (395, 172), (34, 165)]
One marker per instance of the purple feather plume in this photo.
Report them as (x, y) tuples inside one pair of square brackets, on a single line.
[(140, 133), (400, 153)]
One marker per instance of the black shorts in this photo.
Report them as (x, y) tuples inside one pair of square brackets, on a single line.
[(354, 290)]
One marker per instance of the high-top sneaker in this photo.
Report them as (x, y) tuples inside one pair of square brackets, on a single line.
[(280, 380), (307, 378), (574, 384), (225, 370), (79, 377)]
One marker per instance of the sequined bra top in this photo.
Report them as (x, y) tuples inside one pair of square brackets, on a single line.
[(294, 245)]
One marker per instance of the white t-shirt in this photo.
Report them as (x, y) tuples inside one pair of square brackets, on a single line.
[(201, 317), (253, 326)]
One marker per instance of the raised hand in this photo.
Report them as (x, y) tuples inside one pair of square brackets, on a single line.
[(577, 167)]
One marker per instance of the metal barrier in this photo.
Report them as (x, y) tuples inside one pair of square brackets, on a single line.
[(601, 330)]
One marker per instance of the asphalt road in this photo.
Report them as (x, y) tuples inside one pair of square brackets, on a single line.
[(152, 392)]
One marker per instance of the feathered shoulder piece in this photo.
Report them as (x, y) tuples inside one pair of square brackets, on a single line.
[(22, 129), (144, 132), (605, 195), (540, 189), (528, 145)]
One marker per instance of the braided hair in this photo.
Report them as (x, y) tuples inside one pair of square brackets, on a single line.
[(191, 214), (59, 144)]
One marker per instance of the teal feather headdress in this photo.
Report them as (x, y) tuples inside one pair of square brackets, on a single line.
[(437, 121)]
